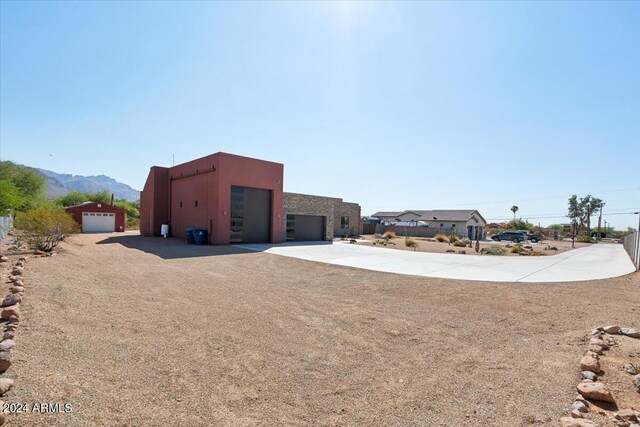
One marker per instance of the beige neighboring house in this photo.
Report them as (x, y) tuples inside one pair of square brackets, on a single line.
[(464, 222), (467, 223)]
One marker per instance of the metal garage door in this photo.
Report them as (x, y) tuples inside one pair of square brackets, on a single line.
[(98, 222), (250, 215), (305, 227)]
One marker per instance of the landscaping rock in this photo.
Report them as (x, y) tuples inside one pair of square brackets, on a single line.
[(17, 289), (3, 415), (636, 382), (7, 312), (17, 271), (5, 385), (590, 362), (631, 369), (598, 341), (11, 299), (3, 258), (581, 399), (6, 345), (576, 414), (23, 259), (630, 332), (588, 375), (14, 278), (596, 333), (576, 422), (595, 391), (596, 349), (5, 360), (20, 264), (9, 335), (14, 319), (579, 406), (11, 327), (628, 415)]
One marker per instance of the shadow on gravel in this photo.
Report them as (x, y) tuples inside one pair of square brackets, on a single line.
[(171, 248)]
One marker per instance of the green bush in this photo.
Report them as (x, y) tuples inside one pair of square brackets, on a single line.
[(460, 243), (585, 239), (45, 227), (516, 249), (493, 250), (441, 238)]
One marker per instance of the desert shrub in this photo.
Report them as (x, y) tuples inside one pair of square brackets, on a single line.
[(493, 250), (389, 234), (453, 238), (463, 252), (45, 227), (411, 243), (459, 243), (538, 253), (441, 238), (377, 236), (528, 247), (585, 239), (516, 249), (133, 223), (466, 241)]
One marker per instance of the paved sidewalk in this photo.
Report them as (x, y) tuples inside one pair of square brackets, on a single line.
[(599, 261)]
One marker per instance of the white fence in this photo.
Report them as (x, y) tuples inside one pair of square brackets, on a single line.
[(632, 245), (5, 225)]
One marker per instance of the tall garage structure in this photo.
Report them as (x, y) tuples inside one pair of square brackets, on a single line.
[(239, 200)]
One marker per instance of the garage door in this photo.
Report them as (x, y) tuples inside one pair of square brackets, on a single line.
[(98, 222), (250, 215), (304, 228)]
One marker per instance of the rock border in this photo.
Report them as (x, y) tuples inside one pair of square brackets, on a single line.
[(592, 388)]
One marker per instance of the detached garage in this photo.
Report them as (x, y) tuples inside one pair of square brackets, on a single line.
[(98, 217)]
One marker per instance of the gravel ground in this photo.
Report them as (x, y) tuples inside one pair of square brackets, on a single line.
[(136, 331)]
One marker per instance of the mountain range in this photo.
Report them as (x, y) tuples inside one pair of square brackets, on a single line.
[(58, 184)]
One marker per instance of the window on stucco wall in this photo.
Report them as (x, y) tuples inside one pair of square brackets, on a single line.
[(344, 222)]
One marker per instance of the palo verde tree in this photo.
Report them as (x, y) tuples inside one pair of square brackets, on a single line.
[(45, 227), (581, 210)]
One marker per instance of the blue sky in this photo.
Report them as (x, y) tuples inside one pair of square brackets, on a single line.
[(393, 105)]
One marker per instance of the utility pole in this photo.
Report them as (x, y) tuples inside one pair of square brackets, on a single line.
[(600, 221), (588, 220)]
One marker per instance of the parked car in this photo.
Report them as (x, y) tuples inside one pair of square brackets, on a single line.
[(513, 236), (535, 238)]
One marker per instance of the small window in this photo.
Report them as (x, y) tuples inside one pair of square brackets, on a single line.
[(92, 214), (196, 203), (344, 222), (85, 214), (180, 204), (196, 170)]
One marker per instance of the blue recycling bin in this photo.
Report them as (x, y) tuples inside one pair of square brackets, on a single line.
[(200, 237), (189, 233)]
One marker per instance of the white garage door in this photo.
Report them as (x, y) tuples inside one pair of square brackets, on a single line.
[(97, 222)]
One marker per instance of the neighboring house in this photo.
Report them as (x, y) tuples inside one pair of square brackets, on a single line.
[(467, 223), (238, 199), (98, 217), (368, 224)]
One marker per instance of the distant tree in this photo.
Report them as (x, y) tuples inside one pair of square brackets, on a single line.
[(10, 198), (73, 198), (29, 184), (556, 227), (520, 224), (581, 210), (45, 227), (514, 209)]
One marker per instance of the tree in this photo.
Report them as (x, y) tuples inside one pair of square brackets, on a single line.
[(73, 198), (10, 197), (45, 227), (519, 224), (580, 212), (29, 185), (514, 209)]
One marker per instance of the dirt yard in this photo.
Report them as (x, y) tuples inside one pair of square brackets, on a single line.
[(135, 331), (428, 245)]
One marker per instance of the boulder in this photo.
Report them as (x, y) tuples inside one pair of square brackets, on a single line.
[(576, 422), (17, 289), (576, 414), (14, 319), (630, 332), (596, 349), (598, 341), (20, 264), (17, 271), (595, 391), (9, 335), (13, 278), (588, 375), (596, 333), (6, 345), (3, 258), (589, 362), (636, 382), (10, 327), (5, 385), (23, 259), (11, 299), (18, 282), (630, 369), (7, 312), (5, 360)]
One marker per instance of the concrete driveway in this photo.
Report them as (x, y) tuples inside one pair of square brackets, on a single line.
[(599, 261)]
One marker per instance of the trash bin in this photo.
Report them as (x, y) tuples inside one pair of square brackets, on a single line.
[(189, 232), (200, 237)]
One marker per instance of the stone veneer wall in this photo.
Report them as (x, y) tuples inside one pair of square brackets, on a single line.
[(330, 207), (305, 204)]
